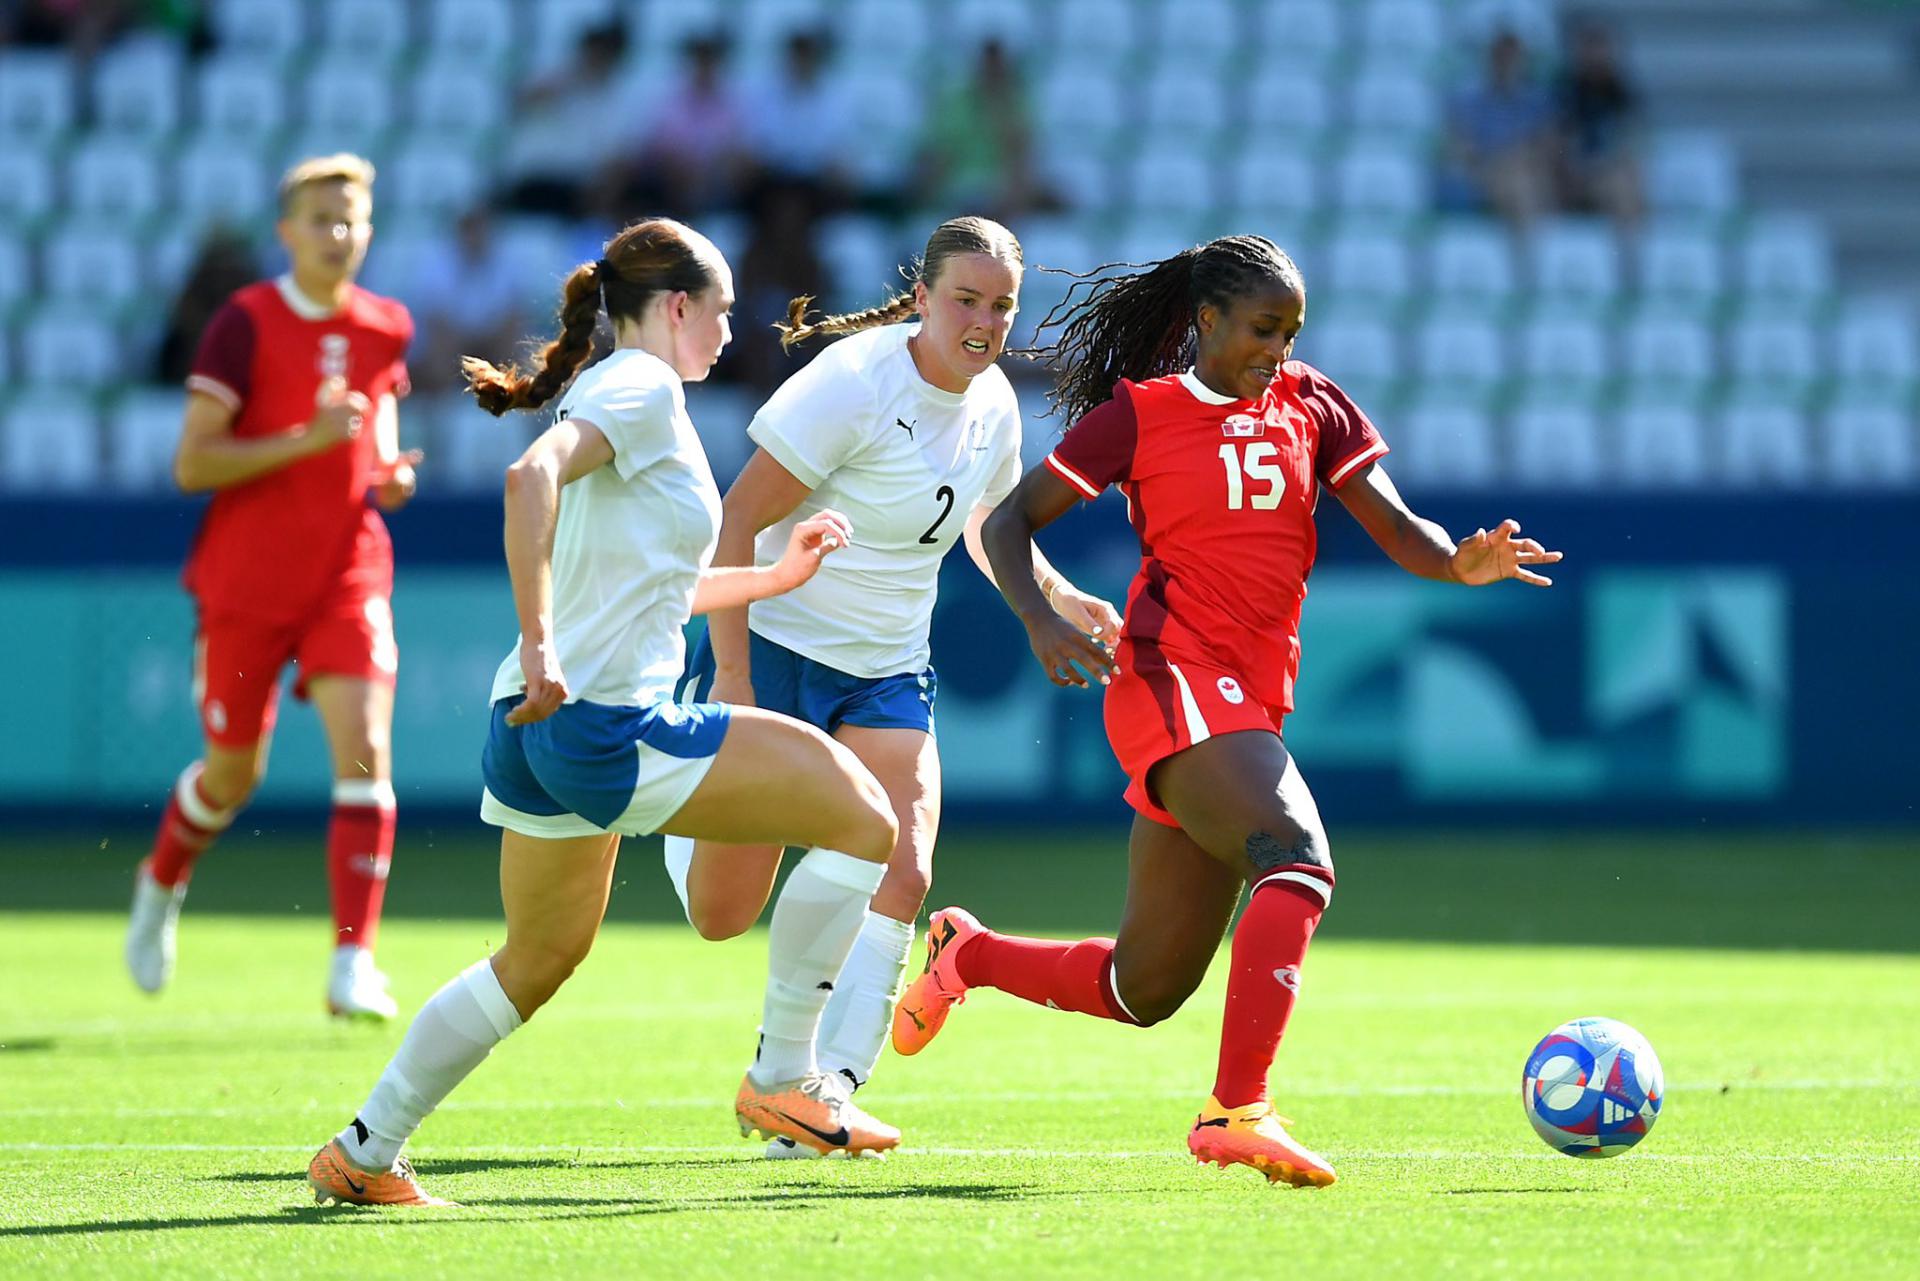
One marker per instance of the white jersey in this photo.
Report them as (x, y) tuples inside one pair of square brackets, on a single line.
[(907, 463), (632, 538)]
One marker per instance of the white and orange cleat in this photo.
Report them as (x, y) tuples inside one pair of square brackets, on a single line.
[(924, 1006), (334, 1178), (1256, 1135), (816, 1112)]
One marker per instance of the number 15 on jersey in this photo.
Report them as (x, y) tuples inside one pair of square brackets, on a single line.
[(1253, 462)]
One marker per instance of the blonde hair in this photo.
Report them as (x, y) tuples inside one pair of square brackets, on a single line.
[(955, 236), (342, 166)]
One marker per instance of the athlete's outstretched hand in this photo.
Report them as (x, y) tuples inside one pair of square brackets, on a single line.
[(1489, 557), (1092, 615), (1068, 655), (395, 482), (813, 540), (546, 684)]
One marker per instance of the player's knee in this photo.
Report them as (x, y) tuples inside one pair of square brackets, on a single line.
[(532, 972), (1289, 843), (871, 828), (716, 922), (904, 889), (229, 784), (1155, 995)]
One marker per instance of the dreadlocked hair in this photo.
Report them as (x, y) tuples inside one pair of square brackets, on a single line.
[(654, 256), (955, 236), (1141, 324)]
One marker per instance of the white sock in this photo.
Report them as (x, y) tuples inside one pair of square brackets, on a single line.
[(815, 921), (450, 1036), (860, 1011)]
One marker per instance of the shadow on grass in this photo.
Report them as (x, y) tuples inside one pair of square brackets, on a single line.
[(561, 1207), (29, 1045)]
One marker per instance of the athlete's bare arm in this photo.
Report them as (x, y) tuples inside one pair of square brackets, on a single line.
[(210, 456), (1421, 547)]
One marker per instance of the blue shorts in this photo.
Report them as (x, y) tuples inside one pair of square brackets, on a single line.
[(822, 696), (591, 768)]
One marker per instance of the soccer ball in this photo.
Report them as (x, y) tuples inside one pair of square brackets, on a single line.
[(1592, 1087)]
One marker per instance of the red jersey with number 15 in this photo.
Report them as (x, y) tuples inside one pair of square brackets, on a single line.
[(1221, 492), (275, 547)]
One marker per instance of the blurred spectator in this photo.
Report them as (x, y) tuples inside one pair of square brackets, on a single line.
[(781, 263), (1599, 115), (565, 126), (977, 155), (226, 262), (800, 122), (467, 300), (81, 26), (693, 157), (1500, 138)]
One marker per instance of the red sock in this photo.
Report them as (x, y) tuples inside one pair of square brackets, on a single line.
[(190, 824), (1066, 976), (359, 849), (1268, 946)]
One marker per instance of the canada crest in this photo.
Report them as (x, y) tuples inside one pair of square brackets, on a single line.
[(1240, 426)]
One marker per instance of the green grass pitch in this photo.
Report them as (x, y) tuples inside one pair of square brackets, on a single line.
[(1778, 976)]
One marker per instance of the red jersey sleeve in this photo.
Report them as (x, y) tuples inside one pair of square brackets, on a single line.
[(1348, 438), (223, 364), (1097, 451)]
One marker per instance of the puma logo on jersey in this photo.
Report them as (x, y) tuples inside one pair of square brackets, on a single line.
[(1240, 426), (906, 426)]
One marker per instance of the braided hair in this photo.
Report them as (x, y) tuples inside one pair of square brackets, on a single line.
[(655, 256), (955, 236), (1141, 324)]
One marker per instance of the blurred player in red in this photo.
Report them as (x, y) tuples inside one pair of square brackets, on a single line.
[(291, 423), (1221, 444)]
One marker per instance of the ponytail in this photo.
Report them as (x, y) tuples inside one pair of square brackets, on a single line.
[(499, 390), (797, 329)]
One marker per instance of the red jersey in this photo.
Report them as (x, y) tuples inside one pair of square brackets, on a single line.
[(1221, 492), (274, 547)]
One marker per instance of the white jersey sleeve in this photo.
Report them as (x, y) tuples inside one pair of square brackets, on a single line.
[(817, 420), (1006, 472), (636, 415)]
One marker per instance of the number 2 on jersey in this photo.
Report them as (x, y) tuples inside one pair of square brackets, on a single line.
[(1255, 463), (945, 495)]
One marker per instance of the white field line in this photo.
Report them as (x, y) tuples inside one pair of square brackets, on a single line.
[(750, 1153), (718, 1102)]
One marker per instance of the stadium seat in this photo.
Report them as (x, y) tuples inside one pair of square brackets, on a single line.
[(1103, 31), (219, 179), (240, 97), (110, 177), (143, 429), (1151, 235), (26, 185), (469, 447), (1669, 347), (272, 30), (1575, 261), (16, 274), (1690, 172), (36, 96), (1351, 348), (1381, 179), (1662, 444), (1180, 108), (1763, 443), (1535, 21), (1171, 180), (1774, 351), (890, 100), (64, 345), (556, 26), (1869, 444), (1011, 22), (455, 97), (1265, 183), (721, 414), (51, 442), (1393, 98), (1472, 262), (1407, 31), (168, 254), (1443, 441), (1369, 267), (1786, 257), (1555, 441), (1564, 348), (1453, 349), (1679, 261), (1079, 106), (1194, 35), (98, 262), (432, 175), (137, 86), (884, 32), (347, 96), (399, 242), (1877, 345), (483, 34), (1299, 32), (862, 257), (1293, 107), (759, 28), (373, 32)]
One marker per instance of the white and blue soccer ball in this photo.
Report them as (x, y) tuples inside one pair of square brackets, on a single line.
[(1592, 1087)]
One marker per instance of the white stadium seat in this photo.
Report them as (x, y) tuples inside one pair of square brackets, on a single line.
[(222, 180), (556, 26), (143, 430), (1786, 257), (1878, 345), (1274, 182), (1393, 98), (1292, 108), (97, 263), (1011, 22), (137, 86), (1079, 105), (1763, 443), (478, 33), (1564, 348), (62, 345), (26, 184), (1679, 262), (375, 32), (349, 96), (884, 32), (1404, 30), (1171, 180), (1773, 350), (271, 29), (1662, 444), (1441, 441), (1692, 173), (16, 275), (1674, 348), (438, 176), (1455, 349), (1311, 32), (862, 257), (240, 96), (1100, 30), (110, 177), (470, 448), (1575, 260), (1194, 35), (1382, 179), (1555, 442), (1352, 349), (36, 96), (1869, 443), (761, 26), (50, 442), (1369, 267), (1179, 104), (455, 96), (1471, 262)]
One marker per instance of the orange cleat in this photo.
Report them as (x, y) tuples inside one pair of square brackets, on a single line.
[(334, 1178), (817, 1111), (1255, 1135), (924, 1006)]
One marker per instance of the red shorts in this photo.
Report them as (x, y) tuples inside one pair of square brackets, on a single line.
[(1158, 705), (237, 661)]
